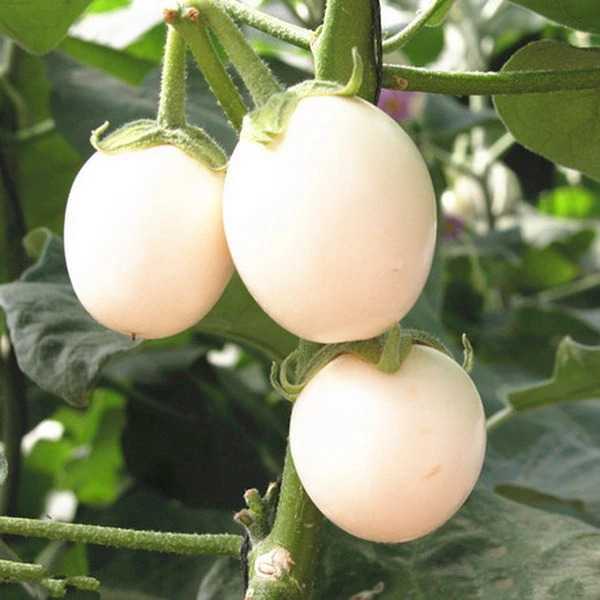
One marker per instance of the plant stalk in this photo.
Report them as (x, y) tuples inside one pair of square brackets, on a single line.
[(475, 83), (283, 565), (157, 541), (349, 24)]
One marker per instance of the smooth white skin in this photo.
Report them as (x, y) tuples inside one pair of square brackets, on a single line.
[(332, 225), (389, 457), (144, 240)]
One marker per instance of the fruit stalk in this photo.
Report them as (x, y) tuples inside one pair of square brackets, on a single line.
[(349, 24), (171, 106)]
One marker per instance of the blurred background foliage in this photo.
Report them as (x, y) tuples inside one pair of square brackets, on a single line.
[(175, 430)]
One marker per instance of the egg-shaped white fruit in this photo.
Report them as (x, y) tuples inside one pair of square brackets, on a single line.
[(332, 225), (144, 240), (389, 457)]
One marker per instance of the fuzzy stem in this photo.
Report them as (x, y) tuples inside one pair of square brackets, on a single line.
[(402, 38), (348, 24), (255, 74), (158, 541), (491, 83), (283, 564), (213, 70), (298, 36), (171, 106)]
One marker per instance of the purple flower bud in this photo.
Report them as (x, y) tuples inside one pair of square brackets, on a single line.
[(401, 105)]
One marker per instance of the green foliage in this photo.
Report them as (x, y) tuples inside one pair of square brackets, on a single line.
[(59, 345), (583, 15), (170, 439), (560, 126), (576, 377), (39, 25)]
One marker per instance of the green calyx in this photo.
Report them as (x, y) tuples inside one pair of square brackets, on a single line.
[(385, 352), (269, 120), (146, 133)]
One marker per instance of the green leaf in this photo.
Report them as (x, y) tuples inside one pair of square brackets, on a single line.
[(117, 63), (238, 317), (561, 126), (58, 345), (180, 406), (493, 549), (583, 15), (576, 377), (39, 25), (100, 6), (572, 202)]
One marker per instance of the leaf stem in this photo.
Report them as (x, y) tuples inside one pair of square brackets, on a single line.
[(157, 541), (400, 39), (171, 106), (488, 83)]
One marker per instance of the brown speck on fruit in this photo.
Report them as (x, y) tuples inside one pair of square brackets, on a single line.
[(433, 472), (193, 14)]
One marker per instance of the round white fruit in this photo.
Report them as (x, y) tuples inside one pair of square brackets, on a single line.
[(331, 225), (144, 240), (389, 457)]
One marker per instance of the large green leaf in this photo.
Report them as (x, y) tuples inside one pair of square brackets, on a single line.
[(39, 25), (493, 549), (583, 15), (576, 377), (562, 126), (58, 345)]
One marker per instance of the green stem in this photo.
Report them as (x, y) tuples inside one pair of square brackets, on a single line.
[(157, 541), (298, 36), (255, 74), (32, 590), (486, 84), (171, 106), (400, 39), (349, 24), (19, 571), (283, 565), (213, 70), (500, 417)]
